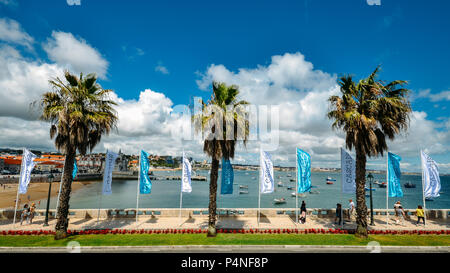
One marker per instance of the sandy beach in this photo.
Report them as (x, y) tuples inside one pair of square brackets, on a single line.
[(36, 192)]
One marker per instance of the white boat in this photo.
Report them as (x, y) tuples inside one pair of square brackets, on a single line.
[(280, 184), (314, 192), (243, 192), (279, 201), (299, 194), (243, 187)]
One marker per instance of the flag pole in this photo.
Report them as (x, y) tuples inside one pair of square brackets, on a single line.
[(181, 187), (423, 192), (18, 185), (387, 189), (296, 186), (100, 199), (138, 183), (259, 187)]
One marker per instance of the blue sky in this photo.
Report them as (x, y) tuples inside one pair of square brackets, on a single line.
[(167, 46)]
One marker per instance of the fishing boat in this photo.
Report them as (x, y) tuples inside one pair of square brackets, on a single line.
[(330, 183), (382, 185), (243, 192), (290, 188), (243, 186), (409, 185), (280, 184), (279, 201), (331, 179)]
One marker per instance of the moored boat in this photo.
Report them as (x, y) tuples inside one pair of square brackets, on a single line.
[(243, 186), (279, 201), (280, 184), (409, 185), (243, 192)]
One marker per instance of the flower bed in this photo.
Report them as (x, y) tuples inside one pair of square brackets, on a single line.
[(233, 231)]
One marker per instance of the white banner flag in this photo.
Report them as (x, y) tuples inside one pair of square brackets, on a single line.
[(186, 175), (348, 171), (431, 179), (26, 168), (110, 161), (266, 178)]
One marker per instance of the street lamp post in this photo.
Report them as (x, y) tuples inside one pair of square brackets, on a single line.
[(50, 180), (370, 178)]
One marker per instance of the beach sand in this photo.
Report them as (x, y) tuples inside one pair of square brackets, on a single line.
[(36, 192)]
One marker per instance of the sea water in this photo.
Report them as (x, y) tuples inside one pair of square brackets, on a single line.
[(166, 193)]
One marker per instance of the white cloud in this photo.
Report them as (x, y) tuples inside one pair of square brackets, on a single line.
[(22, 82), (301, 93), (12, 32), (162, 69), (75, 54), (434, 97)]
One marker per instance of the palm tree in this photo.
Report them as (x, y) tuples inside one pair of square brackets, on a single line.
[(368, 112), (80, 112), (223, 122)]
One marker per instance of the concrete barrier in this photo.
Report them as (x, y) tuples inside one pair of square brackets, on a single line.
[(7, 214)]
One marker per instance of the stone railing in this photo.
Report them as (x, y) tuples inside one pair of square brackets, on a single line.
[(441, 214)]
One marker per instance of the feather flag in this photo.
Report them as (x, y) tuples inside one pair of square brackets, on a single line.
[(394, 175), (145, 185)]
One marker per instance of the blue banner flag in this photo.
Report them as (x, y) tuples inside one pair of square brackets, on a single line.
[(75, 169), (227, 177), (394, 175), (145, 185), (430, 176), (303, 171)]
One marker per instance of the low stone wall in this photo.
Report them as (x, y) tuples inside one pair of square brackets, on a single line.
[(441, 214)]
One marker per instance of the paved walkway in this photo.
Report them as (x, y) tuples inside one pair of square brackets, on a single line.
[(232, 222), (73, 248)]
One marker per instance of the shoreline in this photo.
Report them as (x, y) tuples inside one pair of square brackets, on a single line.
[(35, 193)]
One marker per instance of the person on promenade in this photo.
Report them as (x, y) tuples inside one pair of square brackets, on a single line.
[(25, 214), (32, 212), (351, 209), (338, 214), (303, 213), (399, 212), (420, 215)]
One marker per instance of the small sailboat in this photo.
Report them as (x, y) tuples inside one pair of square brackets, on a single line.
[(279, 201)]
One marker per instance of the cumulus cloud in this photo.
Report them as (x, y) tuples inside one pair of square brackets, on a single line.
[(75, 54), (12, 32), (22, 82), (301, 92)]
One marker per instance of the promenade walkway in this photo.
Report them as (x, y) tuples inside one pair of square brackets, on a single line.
[(228, 222)]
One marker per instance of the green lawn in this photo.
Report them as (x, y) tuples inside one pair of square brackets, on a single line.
[(226, 239)]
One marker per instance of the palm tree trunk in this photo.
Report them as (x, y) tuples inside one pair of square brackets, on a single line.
[(213, 197), (63, 209), (361, 207)]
